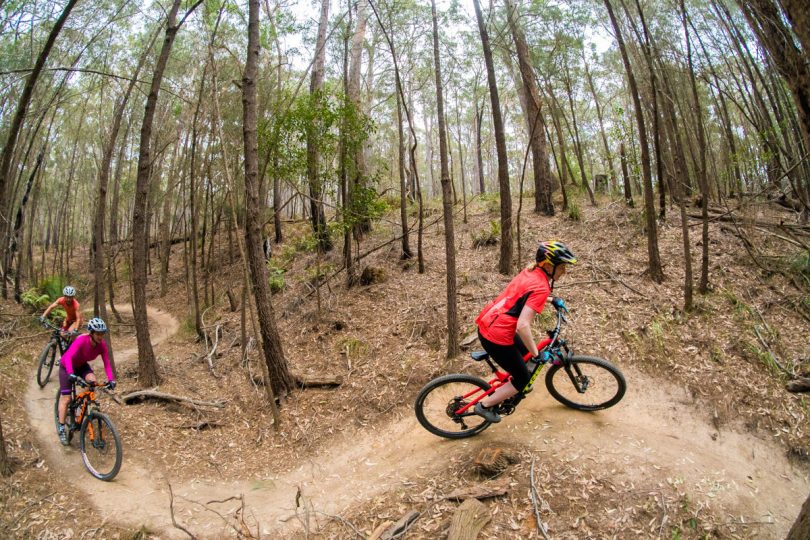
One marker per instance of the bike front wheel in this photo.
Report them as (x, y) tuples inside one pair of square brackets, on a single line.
[(100, 446), (439, 401), (46, 361), (586, 383)]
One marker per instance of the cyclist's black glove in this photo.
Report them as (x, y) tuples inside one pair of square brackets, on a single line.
[(111, 385)]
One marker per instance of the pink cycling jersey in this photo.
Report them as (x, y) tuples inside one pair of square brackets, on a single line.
[(82, 351)]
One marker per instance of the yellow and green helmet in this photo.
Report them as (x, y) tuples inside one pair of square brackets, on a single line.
[(555, 253)]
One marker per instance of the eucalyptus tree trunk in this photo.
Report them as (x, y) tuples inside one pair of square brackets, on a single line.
[(645, 41), (543, 202), (18, 223), (357, 178), (479, 160), (655, 270), (703, 181), (403, 196), (147, 367), (578, 150), (505, 261), (313, 150), (600, 117), (19, 114), (281, 379), (447, 202)]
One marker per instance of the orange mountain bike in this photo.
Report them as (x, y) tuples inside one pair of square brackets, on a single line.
[(445, 405), (99, 442)]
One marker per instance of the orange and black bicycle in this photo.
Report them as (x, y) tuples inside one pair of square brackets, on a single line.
[(99, 441)]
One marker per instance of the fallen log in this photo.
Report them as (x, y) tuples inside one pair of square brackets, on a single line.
[(468, 520), (317, 381), (476, 492), (140, 395)]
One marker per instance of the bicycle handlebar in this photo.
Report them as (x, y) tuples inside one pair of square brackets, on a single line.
[(47, 324), (84, 383)]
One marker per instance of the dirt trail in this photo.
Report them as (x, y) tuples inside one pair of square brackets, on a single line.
[(654, 433)]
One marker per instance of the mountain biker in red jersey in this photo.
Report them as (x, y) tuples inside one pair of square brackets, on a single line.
[(505, 324), (73, 315)]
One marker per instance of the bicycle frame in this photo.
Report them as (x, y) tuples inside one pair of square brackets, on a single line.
[(80, 403), (552, 341), (62, 341)]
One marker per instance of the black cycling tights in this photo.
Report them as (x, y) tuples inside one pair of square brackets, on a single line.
[(510, 358)]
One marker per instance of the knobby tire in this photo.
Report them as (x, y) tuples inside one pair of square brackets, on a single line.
[(100, 445), (46, 361), (437, 399), (603, 383)]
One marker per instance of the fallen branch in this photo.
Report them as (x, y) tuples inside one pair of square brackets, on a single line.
[(210, 357), (617, 280), (771, 353), (799, 385), (398, 529), (317, 381), (152, 394), (171, 511), (205, 424), (535, 499)]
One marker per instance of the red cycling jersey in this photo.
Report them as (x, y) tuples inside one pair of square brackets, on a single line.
[(71, 310), (497, 322)]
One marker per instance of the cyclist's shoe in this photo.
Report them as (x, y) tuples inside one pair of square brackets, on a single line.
[(487, 413), (63, 438)]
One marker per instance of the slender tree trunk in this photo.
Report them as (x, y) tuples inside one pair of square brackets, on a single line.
[(18, 223), (479, 159), (403, 195), (313, 145), (655, 270), (505, 262), (279, 374), (703, 181), (543, 202), (447, 201), (578, 150), (147, 366)]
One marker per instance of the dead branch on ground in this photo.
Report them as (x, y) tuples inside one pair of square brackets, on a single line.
[(153, 394)]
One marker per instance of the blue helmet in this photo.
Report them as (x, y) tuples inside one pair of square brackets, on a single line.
[(69, 291), (97, 324)]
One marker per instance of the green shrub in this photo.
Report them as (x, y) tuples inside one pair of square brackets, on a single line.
[(52, 287), (276, 279), (801, 264), (574, 211), (487, 237), (34, 300)]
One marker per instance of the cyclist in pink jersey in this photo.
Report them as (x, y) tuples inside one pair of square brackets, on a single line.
[(75, 364), (505, 324)]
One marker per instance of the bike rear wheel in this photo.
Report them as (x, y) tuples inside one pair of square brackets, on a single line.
[(586, 383), (46, 361), (438, 401), (100, 446)]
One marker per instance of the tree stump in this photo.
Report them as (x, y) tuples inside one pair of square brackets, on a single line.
[(800, 384), (468, 520), (232, 300), (492, 461)]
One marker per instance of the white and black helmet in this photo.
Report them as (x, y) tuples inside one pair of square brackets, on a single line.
[(69, 291), (97, 324)]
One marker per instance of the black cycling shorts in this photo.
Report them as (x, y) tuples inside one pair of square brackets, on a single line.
[(510, 358)]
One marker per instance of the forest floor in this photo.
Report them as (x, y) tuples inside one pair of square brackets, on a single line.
[(706, 443)]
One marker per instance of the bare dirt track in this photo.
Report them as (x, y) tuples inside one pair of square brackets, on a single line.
[(656, 434)]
